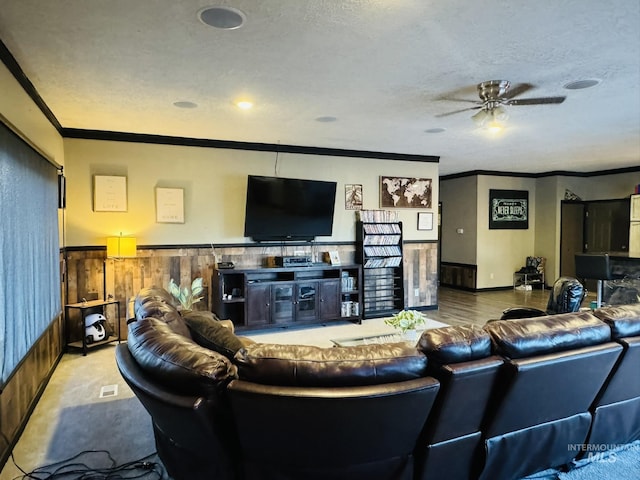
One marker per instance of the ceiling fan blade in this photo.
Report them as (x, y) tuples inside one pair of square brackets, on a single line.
[(457, 111), (536, 101), (516, 90), (454, 99)]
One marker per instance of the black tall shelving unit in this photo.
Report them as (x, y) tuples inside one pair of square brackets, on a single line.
[(379, 250)]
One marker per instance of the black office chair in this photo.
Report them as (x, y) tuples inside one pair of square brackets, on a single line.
[(566, 296), (590, 266)]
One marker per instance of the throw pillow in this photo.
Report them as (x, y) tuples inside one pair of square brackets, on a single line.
[(209, 333)]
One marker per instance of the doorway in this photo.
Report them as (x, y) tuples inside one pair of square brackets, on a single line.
[(593, 226)]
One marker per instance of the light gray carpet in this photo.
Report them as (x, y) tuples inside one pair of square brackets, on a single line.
[(71, 417), (622, 463)]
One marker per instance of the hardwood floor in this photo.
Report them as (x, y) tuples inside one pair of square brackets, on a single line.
[(456, 307)]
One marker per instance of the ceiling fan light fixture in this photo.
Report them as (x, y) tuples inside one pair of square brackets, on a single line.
[(480, 118), (500, 114), (495, 127)]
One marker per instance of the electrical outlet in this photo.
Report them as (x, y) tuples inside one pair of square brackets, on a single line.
[(491, 276), (416, 292)]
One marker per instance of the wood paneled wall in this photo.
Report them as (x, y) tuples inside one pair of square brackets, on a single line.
[(88, 271), (458, 275), (421, 274), (20, 394)]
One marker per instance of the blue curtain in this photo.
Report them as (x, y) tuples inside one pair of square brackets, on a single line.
[(29, 249)]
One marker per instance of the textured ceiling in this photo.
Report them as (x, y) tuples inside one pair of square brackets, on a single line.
[(380, 67)]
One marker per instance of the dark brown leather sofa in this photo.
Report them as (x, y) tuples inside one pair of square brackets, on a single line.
[(498, 402)]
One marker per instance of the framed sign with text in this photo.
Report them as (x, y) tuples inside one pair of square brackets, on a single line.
[(169, 205), (109, 193), (508, 209)]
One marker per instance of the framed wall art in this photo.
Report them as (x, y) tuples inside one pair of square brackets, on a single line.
[(109, 193), (353, 197), (169, 205), (425, 221), (508, 209), (405, 192)]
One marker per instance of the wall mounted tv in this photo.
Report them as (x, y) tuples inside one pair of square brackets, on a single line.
[(288, 209)]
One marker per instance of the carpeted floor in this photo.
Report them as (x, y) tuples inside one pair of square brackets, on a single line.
[(73, 417), (622, 463)]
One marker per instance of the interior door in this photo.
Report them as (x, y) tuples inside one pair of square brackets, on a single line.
[(607, 226), (571, 236)]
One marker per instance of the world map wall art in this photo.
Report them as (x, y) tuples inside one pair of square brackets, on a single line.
[(404, 192)]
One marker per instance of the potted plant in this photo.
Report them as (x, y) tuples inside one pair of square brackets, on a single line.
[(187, 296), (407, 321)]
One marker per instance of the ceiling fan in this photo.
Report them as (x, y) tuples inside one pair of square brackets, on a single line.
[(495, 95)]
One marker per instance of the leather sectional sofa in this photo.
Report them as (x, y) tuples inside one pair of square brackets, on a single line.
[(498, 402)]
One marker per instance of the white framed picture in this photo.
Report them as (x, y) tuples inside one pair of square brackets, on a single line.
[(169, 205), (425, 221), (334, 257), (109, 193)]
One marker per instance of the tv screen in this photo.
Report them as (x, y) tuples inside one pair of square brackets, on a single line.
[(288, 208)]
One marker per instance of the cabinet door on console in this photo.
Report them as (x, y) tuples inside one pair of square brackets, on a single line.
[(306, 301), (329, 308), (282, 303), (258, 304)]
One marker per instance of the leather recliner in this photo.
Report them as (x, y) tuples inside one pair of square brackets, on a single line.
[(554, 368), (616, 410), (566, 296)]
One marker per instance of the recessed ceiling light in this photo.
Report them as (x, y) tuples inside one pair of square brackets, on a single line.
[(435, 130), (244, 104), (580, 84), (184, 104), (225, 18), (326, 119)]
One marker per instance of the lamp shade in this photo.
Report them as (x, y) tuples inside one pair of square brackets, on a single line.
[(120, 247)]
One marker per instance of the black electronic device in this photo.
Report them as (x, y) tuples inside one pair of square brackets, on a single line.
[(223, 265), (288, 209), (298, 261)]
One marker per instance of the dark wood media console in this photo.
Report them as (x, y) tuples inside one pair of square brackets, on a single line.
[(279, 297)]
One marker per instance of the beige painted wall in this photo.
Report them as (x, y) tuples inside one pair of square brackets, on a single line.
[(547, 226), (502, 252), (214, 181)]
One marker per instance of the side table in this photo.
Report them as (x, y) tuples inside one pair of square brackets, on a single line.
[(87, 308)]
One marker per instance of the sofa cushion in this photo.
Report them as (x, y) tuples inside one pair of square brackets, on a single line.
[(624, 320), (540, 335), (176, 361), (157, 302), (455, 344), (301, 365), (207, 331)]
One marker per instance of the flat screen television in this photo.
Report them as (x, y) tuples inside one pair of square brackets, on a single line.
[(288, 209)]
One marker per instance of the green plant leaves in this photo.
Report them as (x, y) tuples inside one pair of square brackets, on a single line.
[(187, 296), (406, 320)]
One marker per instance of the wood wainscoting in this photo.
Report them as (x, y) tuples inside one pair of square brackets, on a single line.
[(23, 389), (421, 274), (88, 272), (458, 275)]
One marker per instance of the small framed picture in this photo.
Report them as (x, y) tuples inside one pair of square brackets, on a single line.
[(109, 193), (353, 197), (169, 205), (334, 257), (425, 221)]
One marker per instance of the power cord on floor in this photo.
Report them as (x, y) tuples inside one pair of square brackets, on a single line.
[(76, 468)]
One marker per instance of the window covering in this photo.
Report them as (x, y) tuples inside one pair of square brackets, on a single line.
[(29, 249)]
